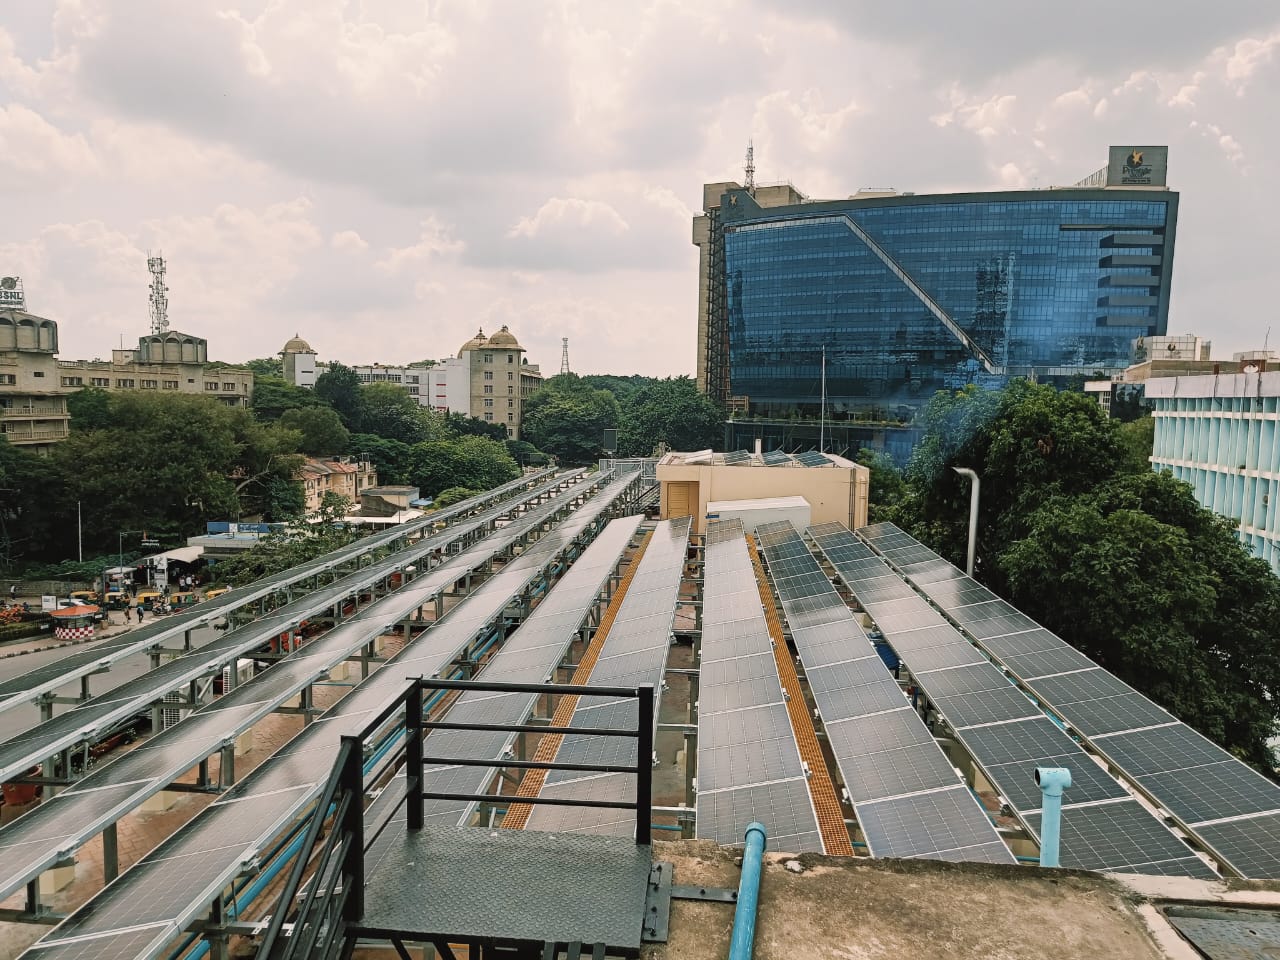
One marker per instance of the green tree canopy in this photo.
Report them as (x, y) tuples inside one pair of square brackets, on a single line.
[(266, 367), (90, 409), (339, 387), (669, 411), (321, 428), (272, 396), (392, 458), (461, 425), (567, 419), (37, 508), (888, 486), (476, 463), (388, 411)]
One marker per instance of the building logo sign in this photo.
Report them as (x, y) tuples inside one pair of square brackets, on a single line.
[(1138, 166), (11, 294)]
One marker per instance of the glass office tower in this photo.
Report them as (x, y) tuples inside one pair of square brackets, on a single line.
[(889, 298)]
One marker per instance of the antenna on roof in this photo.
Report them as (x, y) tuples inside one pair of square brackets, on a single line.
[(751, 167), (159, 296)]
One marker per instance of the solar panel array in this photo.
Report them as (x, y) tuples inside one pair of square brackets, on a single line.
[(1008, 735), (1229, 807), (812, 458), (212, 847), (736, 457), (49, 677), (909, 800), (777, 458), (749, 765), (634, 652)]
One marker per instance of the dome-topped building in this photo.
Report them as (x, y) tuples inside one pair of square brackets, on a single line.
[(475, 343), (299, 362), (504, 339)]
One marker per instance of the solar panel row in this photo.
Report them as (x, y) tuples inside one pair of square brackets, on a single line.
[(634, 652), (1005, 732), (909, 800), (300, 768), (749, 765), (1231, 808)]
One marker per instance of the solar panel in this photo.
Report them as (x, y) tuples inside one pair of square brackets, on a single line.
[(775, 458), (1122, 837), (736, 457), (1004, 731), (748, 759), (812, 458), (880, 746), (1198, 782)]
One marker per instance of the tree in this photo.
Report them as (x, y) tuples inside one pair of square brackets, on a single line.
[(37, 508), (1076, 530), (266, 367), (392, 458), (90, 409), (670, 412), (339, 387), (297, 543), (567, 419), (388, 411), (447, 498), (322, 431), (272, 396), (477, 463), (526, 454), (460, 425), (888, 487)]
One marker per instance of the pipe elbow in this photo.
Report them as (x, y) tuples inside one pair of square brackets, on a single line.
[(1053, 780)]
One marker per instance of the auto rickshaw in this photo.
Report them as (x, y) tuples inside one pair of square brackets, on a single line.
[(147, 599), (215, 592), (182, 600), (85, 596), (117, 599)]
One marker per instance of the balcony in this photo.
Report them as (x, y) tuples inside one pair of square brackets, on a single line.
[(33, 412), (33, 433)]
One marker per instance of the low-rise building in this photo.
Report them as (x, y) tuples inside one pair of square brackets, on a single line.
[(836, 489), (340, 476), (170, 362), (33, 407)]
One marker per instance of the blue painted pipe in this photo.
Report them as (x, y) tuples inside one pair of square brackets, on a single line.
[(744, 916), (1051, 781)]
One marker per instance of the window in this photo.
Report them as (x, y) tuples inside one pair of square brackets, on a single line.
[(100, 381), (511, 418), (126, 383), (170, 384), (37, 373), (413, 391), (511, 391), (488, 374), (510, 404), (488, 358), (73, 381), (150, 384), (209, 385), (488, 388), (510, 375), (489, 417), (488, 403), (229, 388), (8, 379), (511, 358), (191, 379)]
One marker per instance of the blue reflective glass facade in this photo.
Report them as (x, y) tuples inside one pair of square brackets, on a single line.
[(909, 295)]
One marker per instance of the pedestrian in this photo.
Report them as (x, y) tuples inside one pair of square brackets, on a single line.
[(139, 613), (13, 591)]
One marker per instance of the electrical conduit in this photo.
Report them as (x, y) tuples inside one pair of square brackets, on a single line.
[(744, 916)]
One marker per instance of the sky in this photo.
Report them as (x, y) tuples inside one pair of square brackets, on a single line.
[(384, 177)]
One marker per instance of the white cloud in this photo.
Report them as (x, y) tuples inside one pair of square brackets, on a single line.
[(434, 241), (572, 213), (38, 153)]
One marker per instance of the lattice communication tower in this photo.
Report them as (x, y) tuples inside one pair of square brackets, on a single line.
[(564, 354), (159, 295)]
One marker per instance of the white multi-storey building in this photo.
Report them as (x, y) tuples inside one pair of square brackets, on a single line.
[(1219, 434)]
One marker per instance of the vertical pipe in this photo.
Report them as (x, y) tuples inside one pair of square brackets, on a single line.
[(974, 488), (644, 765), (744, 915), (413, 756), (1051, 781)]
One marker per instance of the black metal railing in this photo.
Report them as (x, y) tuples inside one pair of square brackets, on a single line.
[(334, 892)]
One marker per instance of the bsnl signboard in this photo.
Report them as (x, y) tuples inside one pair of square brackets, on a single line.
[(11, 293), (1137, 166)]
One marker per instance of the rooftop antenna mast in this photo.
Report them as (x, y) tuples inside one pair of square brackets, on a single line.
[(564, 354), (159, 296), (751, 168)]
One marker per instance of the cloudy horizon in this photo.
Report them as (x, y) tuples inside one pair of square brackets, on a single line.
[(384, 177)]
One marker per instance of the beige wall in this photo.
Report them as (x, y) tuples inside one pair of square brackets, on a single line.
[(835, 494)]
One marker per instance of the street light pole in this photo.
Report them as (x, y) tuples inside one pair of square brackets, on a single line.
[(974, 488)]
